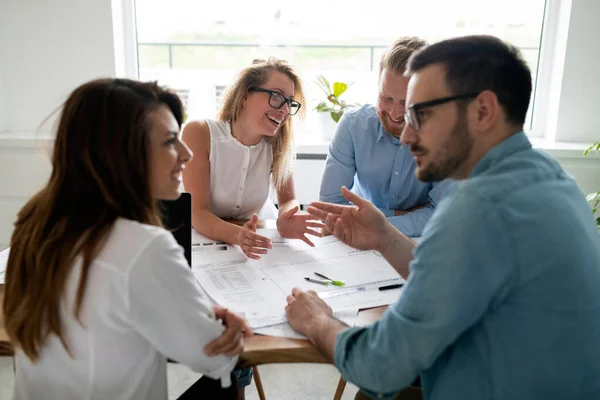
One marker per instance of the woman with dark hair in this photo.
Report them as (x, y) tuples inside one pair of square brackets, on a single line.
[(97, 293)]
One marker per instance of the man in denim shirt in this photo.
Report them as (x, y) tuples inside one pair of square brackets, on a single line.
[(366, 155), (503, 295)]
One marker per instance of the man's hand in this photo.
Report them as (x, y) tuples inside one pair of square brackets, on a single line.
[(296, 226), (306, 312), (231, 341), (363, 226), (251, 243)]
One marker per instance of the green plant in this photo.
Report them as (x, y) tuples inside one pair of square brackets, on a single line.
[(334, 106), (594, 198)]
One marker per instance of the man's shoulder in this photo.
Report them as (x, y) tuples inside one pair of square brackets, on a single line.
[(364, 116), (360, 120), (530, 183), (517, 176)]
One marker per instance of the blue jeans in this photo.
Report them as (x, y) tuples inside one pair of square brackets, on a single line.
[(244, 377)]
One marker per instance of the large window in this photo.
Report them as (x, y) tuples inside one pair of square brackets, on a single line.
[(196, 47)]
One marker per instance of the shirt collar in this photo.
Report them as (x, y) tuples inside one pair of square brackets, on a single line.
[(513, 144), (379, 131), (382, 132)]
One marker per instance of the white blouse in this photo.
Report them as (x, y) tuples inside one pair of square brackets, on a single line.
[(142, 304), (239, 175)]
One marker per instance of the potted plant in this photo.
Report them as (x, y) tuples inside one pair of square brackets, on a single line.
[(331, 110), (594, 198)]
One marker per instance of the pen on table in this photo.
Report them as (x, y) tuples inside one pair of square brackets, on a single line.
[(318, 281), (332, 281), (394, 286)]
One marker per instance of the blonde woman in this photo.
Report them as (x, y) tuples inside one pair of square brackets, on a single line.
[(240, 154)]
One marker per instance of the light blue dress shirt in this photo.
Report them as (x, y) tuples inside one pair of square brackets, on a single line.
[(503, 297), (376, 166)]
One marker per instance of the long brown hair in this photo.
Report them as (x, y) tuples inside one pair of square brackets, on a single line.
[(100, 170), (256, 75)]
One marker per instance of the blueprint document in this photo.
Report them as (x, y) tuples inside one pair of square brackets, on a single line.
[(258, 288)]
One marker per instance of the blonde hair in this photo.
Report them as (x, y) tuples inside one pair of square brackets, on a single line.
[(396, 57), (254, 76)]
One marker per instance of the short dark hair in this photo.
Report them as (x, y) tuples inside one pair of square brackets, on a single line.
[(477, 63)]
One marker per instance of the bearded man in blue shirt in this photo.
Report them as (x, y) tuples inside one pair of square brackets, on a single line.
[(366, 155), (502, 299)]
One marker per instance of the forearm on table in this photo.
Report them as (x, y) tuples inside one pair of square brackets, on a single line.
[(397, 249), (215, 228), (323, 335)]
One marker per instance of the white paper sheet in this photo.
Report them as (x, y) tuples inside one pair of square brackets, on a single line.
[(258, 288), (349, 317)]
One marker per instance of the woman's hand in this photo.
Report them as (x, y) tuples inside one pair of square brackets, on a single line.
[(231, 341), (296, 226), (251, 243)]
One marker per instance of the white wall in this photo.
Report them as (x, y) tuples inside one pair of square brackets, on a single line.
[(47, 48), (3, 111), (578, 116)]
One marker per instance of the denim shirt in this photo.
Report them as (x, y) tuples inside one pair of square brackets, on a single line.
[(375, 165), (503, 296)]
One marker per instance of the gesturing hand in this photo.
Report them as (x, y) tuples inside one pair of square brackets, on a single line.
[(231, 341), (362, 226), (296, 226), (251, 243)]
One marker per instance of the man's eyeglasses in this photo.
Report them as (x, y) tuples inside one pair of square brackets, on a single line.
[(411, 116), (277, 100)]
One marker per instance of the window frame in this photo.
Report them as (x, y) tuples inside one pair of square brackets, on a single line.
[(541, 102)]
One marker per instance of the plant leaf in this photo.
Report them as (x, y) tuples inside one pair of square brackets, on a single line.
[(339, 88), (593, 196), (323, 83), (322, 107), (336, 115), (595, 146)]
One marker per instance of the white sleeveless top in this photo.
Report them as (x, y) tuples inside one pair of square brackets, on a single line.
[(239, 175)]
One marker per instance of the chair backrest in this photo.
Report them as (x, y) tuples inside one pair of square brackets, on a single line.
[(177, 218)]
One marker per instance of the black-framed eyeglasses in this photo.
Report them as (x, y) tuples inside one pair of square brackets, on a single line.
[(277, 100), (411, 115)]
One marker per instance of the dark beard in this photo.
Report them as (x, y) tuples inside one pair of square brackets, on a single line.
[(455, 152)]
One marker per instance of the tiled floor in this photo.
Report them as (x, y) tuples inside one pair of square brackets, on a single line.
[(281, 381)]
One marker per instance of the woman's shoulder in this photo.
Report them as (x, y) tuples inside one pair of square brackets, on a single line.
[(196, 127), (129, 238), (196, 134)]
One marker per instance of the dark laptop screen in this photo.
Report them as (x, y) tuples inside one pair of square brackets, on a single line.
[(177, 218)]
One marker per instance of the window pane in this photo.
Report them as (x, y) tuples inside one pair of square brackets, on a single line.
[(197, 47)]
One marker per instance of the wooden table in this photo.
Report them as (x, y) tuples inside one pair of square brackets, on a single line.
[(258, 349)]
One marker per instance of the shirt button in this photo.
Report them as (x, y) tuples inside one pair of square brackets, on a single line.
[(396, 173), (241, 188)]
